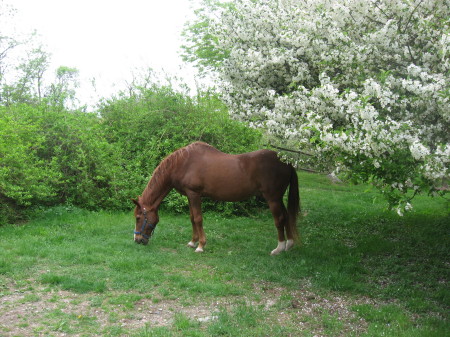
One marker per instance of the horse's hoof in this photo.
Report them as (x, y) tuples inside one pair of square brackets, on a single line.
[(191, 244), (281, 247), (275, 252), (199, 250), (289, 244)]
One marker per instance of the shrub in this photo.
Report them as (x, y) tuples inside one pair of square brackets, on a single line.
[(51, 156), (152, 122)]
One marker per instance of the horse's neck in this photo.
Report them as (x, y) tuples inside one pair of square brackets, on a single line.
[(155, 192)]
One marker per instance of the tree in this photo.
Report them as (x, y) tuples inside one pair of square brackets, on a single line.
[(62, 93), (28, 86), (23, 64), (201, 44), (7, 43), (362, 85)]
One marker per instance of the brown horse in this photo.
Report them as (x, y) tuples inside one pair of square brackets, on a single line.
[(199, 170)]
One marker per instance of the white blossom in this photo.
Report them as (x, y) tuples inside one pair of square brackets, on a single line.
[(418, 150), (357, 82)]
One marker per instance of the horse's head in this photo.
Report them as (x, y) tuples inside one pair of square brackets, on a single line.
[(146, 221)]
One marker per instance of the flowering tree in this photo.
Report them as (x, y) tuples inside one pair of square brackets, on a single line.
[(363, 85)]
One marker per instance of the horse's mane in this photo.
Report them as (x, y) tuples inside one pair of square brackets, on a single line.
[(160, 174)]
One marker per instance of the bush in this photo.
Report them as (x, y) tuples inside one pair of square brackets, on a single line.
[(151, 123), (51, 156), (25, 178)]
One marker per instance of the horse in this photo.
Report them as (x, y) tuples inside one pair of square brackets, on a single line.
[(200, 170)]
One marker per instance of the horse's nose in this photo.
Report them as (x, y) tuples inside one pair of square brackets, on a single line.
[(140, 240), (137, 239)]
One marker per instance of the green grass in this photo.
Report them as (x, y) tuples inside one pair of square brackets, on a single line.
[(360, 270)]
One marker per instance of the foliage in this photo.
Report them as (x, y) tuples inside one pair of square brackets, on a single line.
[(362, 85), (152, 120), (24, 65), (64, 90), (24, 176), (52, 152), (76, 147), (200, 43), (28, 83), (51, 155)]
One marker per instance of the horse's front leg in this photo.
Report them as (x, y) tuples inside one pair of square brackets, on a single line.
[(198, 233), (193, 242)]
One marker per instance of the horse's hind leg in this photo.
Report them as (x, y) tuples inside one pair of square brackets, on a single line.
[(289, 234), (197, 223), (280, 216)]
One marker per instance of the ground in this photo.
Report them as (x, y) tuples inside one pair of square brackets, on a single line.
[(37, 310)]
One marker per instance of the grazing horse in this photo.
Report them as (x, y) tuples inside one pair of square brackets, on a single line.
[(199, 170)]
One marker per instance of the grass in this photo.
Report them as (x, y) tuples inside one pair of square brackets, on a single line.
[(360, 271)]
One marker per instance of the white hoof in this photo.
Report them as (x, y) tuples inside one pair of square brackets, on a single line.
[(281, 247), (191, 244), (289, 244), (199, 250)]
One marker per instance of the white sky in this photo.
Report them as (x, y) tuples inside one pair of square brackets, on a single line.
[(108, 39)]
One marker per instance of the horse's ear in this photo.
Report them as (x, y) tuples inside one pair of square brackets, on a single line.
[(136, 202)]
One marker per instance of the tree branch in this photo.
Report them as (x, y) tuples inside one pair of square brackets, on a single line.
[(309, 170), (410, 17), (290, 150)]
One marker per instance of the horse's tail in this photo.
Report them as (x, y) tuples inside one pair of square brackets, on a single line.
[(293, 204)]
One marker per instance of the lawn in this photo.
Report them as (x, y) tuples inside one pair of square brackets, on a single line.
[(360, 271)]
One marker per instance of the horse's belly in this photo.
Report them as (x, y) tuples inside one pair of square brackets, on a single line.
[(230, 191), (222, 177)]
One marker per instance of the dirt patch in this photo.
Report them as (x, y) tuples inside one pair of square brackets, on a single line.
[(42, 311), (309, 311)]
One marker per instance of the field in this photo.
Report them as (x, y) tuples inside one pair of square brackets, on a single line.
[(360, 271)]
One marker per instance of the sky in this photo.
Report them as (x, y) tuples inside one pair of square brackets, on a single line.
[(108, 39)]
